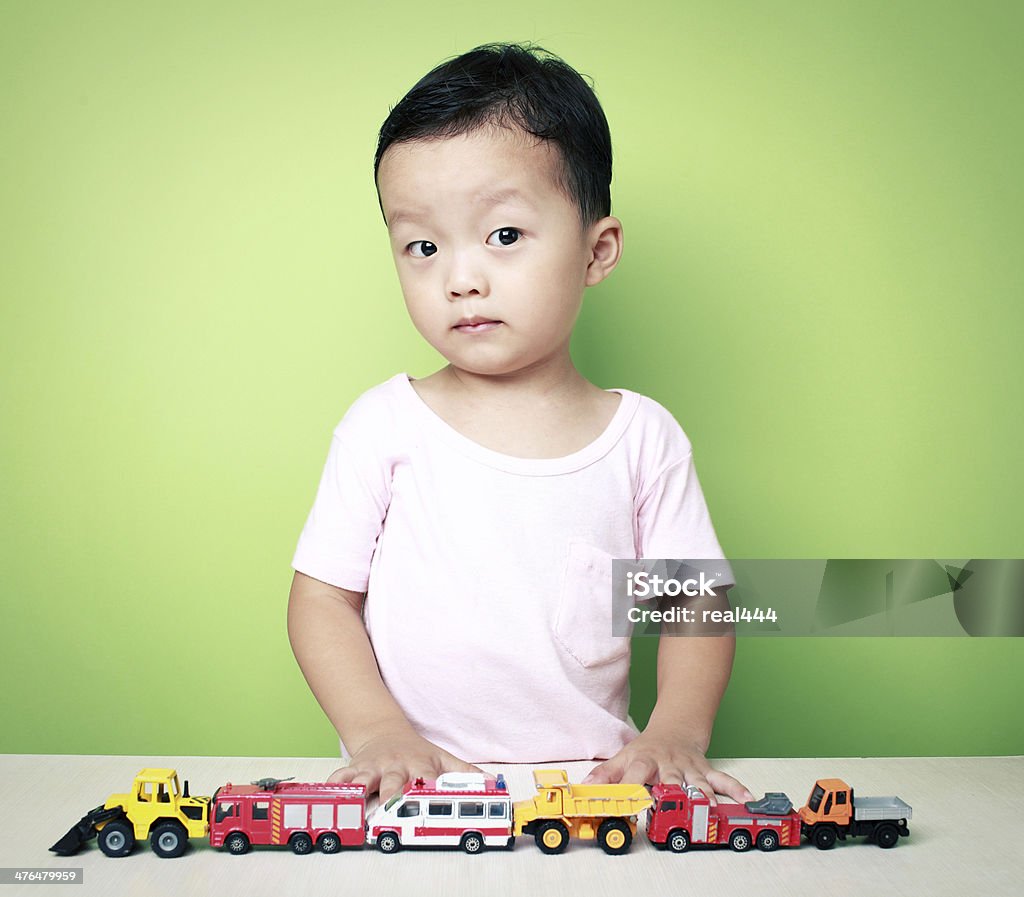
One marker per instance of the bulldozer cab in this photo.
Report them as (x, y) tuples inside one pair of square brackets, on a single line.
[(157, 786)]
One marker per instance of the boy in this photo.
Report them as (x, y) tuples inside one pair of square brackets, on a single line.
[(471, 516)]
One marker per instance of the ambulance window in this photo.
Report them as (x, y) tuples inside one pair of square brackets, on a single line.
[(497, 811), (409, 808), (439, 809), (667, 805), (471, 808), (261, 809), (225, 810)]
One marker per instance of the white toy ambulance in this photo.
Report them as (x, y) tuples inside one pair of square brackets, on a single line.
[(467, 810)]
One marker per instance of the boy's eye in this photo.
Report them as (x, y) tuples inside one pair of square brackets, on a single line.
[(506, 236), (421, 249)]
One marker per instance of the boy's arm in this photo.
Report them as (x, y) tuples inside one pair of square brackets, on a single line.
[(332, 648), (693, 672)]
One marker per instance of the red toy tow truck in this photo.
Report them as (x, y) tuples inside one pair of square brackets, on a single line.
[(684, 816), (275, 811)]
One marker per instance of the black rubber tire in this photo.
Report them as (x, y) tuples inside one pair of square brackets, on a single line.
[(824, 837), (168, 839), (236, 843), (740, 841), (387, 842), (547, 833), (328, 842), (767, 840), (611, 830), (678, 841), (472, 842), (301, 844), (117, 839), (886, 836)]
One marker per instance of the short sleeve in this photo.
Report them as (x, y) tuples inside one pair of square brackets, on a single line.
[(341, 532), (673, 519)]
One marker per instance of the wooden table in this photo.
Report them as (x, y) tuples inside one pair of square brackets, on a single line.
[(964, 838)]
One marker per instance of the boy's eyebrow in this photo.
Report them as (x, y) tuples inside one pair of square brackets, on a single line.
[(493, 198), (486, 198), (401, 215)]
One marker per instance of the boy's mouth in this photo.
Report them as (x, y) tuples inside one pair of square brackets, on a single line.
[(476, 324)]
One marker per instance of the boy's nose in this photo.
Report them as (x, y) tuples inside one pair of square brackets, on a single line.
[(465, 279)]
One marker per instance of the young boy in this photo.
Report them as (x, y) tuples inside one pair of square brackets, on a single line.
[(452, 596)]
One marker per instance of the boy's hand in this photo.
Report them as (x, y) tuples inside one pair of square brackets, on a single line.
[(650, 758), (386, 762)]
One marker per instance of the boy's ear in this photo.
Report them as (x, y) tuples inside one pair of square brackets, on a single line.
[(605, 238)]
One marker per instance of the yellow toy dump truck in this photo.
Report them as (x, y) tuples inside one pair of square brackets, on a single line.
[(605, 812), (155, 808)]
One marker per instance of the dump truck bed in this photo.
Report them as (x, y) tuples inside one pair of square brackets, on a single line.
[(593, 800)]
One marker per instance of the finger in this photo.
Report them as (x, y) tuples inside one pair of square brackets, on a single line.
[(641, 770), (727, 785), (368, 777), (344, 774), (697, 779), (607, 772), (392, 783), (670, 775)]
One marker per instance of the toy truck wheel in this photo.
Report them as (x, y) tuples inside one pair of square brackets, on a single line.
[(824, 838), (388, 842), (767, 840), (740, 840), (678, 841), (472, 842), (236, 843), (117, 838), (301, 843), (329, 843), (614, 836), (886, 836), (168, 839), (552, 837)]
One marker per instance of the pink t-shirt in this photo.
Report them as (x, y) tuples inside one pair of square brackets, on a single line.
[(488, 577)]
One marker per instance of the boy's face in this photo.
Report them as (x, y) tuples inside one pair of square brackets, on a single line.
[(480, 229)]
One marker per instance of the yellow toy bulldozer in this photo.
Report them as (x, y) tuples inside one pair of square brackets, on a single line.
[(155, 808)]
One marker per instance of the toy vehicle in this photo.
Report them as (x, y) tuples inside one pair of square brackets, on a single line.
[(155, 808), (605, 812), (467, 810), (473, 811), (681, 816), (326, 815), (833, 812)]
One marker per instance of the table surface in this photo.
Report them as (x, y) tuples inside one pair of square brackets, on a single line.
[(963, 837)]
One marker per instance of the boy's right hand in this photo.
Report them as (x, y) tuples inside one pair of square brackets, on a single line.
[(386, 763)]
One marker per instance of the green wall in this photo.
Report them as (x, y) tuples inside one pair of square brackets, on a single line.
[(822, 280)]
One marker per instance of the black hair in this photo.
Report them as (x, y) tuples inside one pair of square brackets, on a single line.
[(519, 86)]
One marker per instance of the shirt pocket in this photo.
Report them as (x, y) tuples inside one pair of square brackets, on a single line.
[(583, 623)]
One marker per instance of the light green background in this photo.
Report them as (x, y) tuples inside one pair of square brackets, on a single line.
[(822, 280)]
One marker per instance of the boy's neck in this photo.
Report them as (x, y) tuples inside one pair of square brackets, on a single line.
[(553, 385)]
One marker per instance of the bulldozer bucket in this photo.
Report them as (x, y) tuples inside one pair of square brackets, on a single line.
[(84, 830)]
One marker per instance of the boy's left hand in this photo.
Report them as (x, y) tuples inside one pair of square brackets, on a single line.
[(649, 759)]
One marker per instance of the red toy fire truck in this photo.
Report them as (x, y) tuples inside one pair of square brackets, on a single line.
[(467, 810), (684, 816), (275, 811)]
